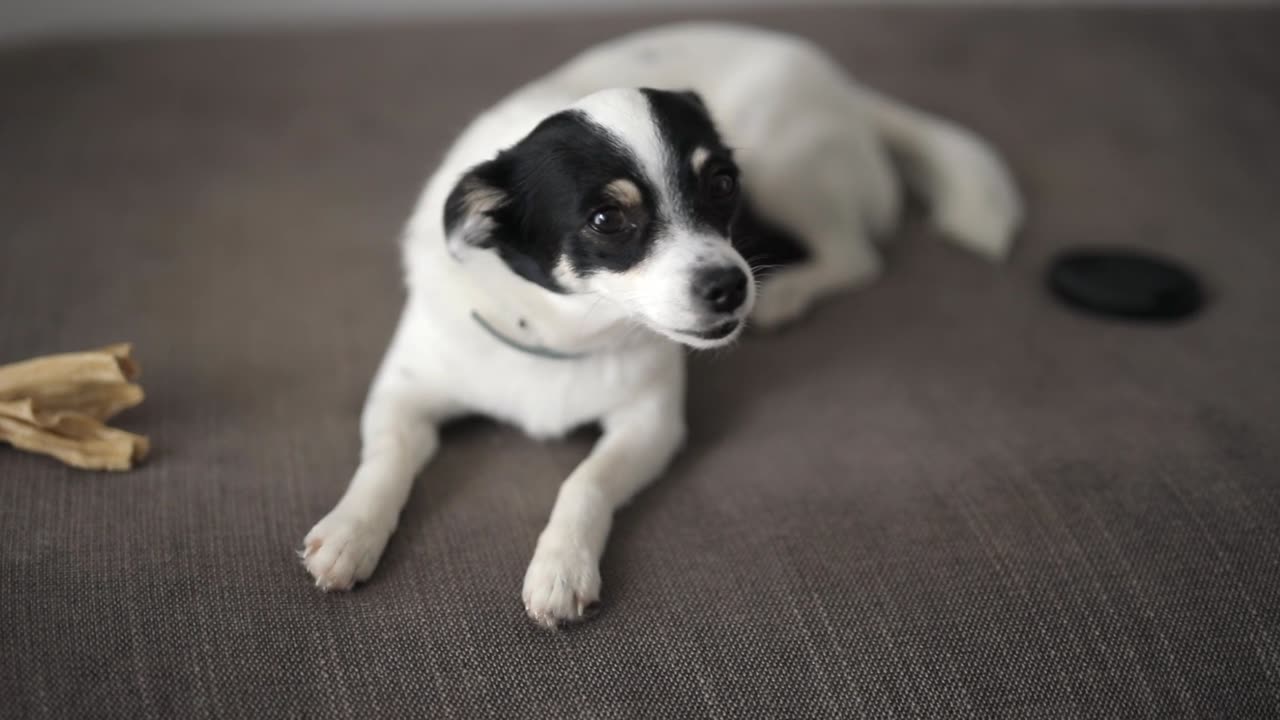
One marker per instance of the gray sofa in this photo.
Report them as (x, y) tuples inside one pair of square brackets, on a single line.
[(944, 497)]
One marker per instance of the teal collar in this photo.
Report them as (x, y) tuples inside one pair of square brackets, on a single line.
[(535, 350)]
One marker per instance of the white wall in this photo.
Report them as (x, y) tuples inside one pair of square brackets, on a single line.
[(36, 18)]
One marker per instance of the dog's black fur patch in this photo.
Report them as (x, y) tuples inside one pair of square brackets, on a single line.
[(551, 182), (685, 126)]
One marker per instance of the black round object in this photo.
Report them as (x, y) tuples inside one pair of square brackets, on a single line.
[(1125, 284)]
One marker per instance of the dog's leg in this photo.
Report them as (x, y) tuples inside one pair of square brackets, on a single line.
[(398, 432), (788, 293), (830, 183), (563, 579)]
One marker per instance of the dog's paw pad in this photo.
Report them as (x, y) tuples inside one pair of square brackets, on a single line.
[(342, 550), (561, 586)]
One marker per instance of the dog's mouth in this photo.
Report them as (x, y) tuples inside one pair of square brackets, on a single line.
[(716, 332), (714, 336)]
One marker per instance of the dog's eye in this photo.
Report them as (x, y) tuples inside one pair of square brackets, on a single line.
[(722, 185), (608, 220)]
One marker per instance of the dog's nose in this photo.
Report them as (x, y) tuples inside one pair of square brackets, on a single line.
[(724, 288)]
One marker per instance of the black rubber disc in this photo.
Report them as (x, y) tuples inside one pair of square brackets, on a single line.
[(1126, 284)]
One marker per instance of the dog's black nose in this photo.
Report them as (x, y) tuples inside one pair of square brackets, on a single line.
[(724, 288)]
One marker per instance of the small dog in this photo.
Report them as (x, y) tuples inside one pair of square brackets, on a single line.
[(585, 228)]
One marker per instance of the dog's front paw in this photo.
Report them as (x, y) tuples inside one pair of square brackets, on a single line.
[(343, 549), (562, 584)]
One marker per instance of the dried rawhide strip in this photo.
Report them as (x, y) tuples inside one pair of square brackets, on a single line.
[(57, 405)]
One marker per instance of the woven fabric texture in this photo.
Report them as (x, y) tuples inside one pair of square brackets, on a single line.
[(943, 497)]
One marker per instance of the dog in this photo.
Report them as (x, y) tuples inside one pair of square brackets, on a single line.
[(582, 232)]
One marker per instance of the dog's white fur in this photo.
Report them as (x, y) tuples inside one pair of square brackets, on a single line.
[(815, 153)]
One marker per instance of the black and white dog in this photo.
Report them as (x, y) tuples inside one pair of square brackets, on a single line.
[(586, 227)]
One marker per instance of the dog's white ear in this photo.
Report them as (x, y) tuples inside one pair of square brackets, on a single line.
[(469, 220)]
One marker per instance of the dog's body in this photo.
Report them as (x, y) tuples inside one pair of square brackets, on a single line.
[(576, 236)]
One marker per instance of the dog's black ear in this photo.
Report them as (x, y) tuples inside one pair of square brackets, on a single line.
[(469, 211), (694, 98)]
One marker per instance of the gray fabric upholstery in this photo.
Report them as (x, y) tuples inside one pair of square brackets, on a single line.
[(945, 496)]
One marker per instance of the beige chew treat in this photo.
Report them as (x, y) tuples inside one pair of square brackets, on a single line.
[(106, 449), (97, 400), (57, 404), (53, 374)]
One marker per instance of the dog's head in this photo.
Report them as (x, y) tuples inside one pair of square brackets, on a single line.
[(628, 195)]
